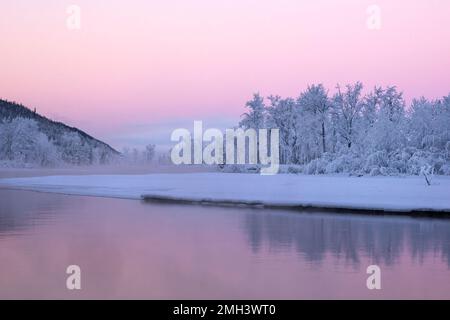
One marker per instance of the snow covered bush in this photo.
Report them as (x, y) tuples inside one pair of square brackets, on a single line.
[(240, 168), (295, 169), (388, 171), (375, 171), (445, 170), (346, 163), (377, 159), (316, 166)]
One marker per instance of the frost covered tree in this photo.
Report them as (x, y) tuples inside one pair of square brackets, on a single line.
[(375, 133), (46, 153), (135, 155), (386, 128), (370, 107), (315, 104), (282, 114), (429, 123), (254, 118), (32, 139), (21, 142), (75, 150), (347, 108), (149, 152)]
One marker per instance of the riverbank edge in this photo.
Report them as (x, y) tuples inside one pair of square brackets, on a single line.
[(432, 213)]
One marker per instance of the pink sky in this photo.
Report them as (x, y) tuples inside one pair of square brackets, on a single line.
[(146, 63)]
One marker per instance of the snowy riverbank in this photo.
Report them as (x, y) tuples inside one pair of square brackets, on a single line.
[(407, 194)]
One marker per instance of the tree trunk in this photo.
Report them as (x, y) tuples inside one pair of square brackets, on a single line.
[(323, 137)]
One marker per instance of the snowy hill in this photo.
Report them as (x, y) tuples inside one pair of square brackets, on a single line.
[(27, 138)]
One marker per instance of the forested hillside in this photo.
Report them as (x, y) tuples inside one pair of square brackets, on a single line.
[(27, 138)]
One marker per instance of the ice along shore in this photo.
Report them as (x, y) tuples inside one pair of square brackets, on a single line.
[(408, 195)]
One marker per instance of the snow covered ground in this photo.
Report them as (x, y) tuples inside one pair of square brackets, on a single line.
[(405, 194)]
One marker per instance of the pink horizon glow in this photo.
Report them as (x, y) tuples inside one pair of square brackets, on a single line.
[(149, 61)]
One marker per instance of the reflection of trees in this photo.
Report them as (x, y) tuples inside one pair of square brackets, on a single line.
[(349, 237)]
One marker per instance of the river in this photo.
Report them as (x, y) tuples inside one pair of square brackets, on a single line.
[(133, 249)]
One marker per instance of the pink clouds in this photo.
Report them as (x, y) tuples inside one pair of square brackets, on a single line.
[(160, 59)]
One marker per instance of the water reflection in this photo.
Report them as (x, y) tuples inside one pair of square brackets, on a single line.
[(348, 237), (383, 239), (21, 211), (130, 249)]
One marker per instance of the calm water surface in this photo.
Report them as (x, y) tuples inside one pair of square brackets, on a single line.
[(131, 249)]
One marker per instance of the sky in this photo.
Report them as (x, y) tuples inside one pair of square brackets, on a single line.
[(136, 70)]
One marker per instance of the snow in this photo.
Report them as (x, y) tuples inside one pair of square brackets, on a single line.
[(375, 133), (397, 194)]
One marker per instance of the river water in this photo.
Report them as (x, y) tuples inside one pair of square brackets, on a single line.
[(133, 249)]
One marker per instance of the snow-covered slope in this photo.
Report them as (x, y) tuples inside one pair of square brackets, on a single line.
[(27, 138), (375, 193)]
